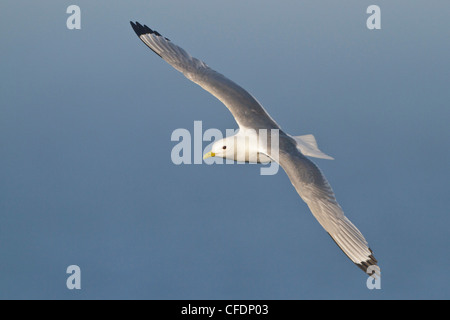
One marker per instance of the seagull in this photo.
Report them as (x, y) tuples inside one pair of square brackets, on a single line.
[(305, 176)]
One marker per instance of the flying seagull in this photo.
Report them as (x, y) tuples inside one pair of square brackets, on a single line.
[(304, 175)]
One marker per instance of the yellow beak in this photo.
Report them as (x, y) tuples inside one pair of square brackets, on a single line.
[(209, 155)]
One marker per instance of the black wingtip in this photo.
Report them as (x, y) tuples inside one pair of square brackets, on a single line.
[(140, 29), (143, 29), (365, 265)]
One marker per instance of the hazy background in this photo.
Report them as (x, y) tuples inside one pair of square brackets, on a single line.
[(86, 176)]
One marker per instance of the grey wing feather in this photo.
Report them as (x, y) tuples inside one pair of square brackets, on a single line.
[(246, 110), (315, 190)]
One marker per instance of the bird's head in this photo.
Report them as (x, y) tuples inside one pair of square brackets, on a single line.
[(223, 148)]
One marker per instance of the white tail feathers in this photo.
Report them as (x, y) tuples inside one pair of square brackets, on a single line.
[(307, 145)]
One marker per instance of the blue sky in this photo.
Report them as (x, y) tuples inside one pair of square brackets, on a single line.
[(86, 176)]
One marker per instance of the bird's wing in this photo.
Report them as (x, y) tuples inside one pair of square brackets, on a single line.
[(246, 110), (315, 190)]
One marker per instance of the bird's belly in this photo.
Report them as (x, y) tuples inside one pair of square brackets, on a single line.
[(252, 157)]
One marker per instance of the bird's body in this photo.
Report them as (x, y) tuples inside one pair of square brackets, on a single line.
[(247, 145)]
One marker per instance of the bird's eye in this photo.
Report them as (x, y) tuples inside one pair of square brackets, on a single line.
[(224, 147)]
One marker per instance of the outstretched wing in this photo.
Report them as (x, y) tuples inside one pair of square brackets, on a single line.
[(315, 190), (246, 110)]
